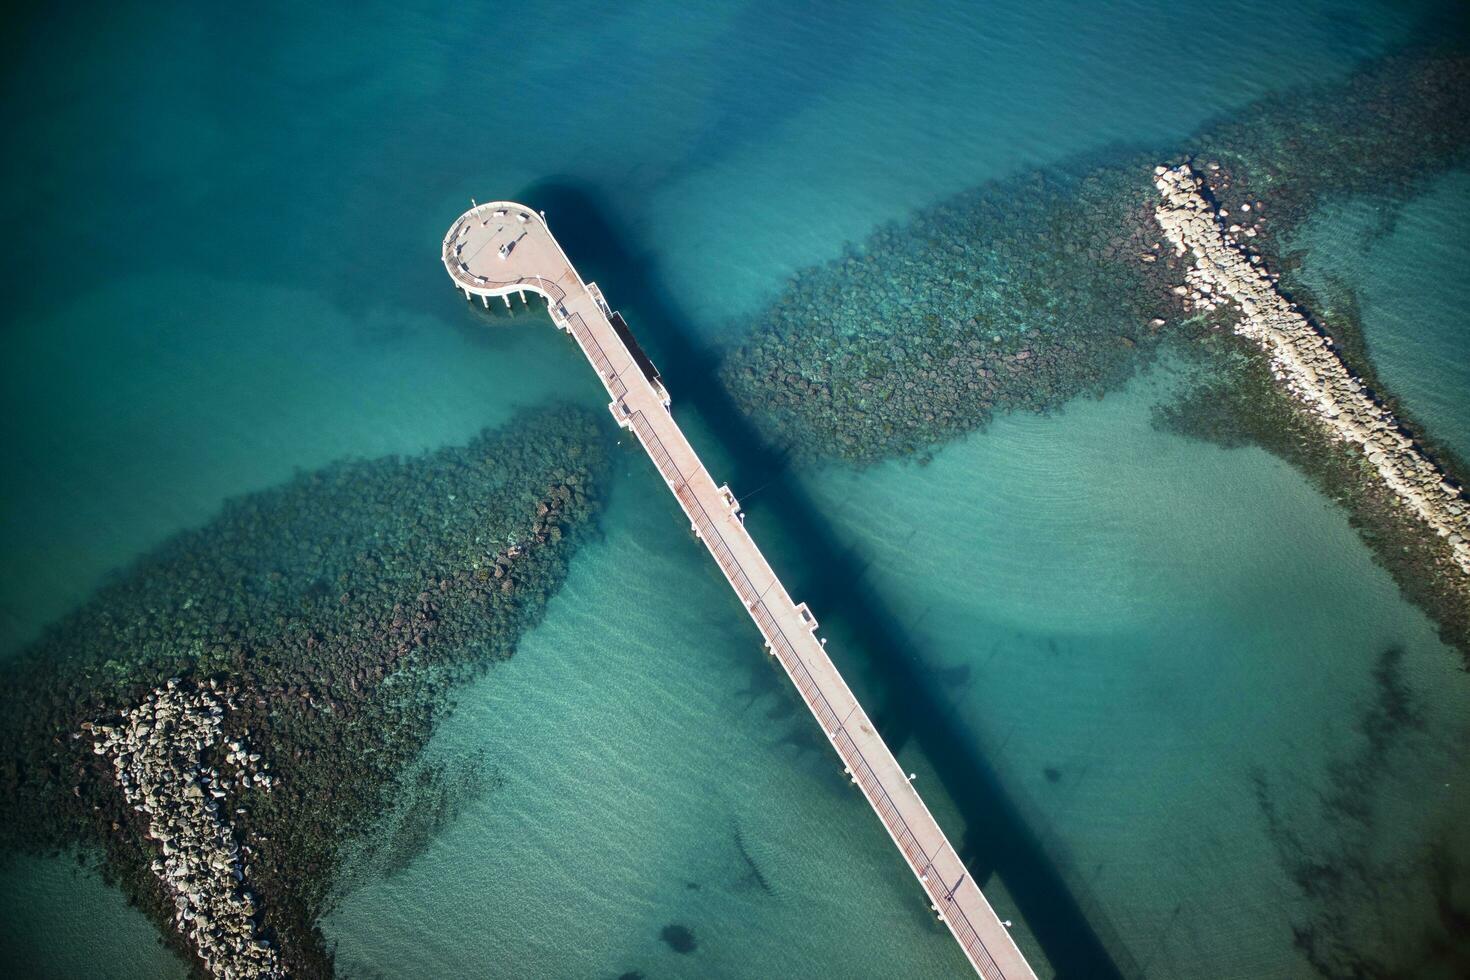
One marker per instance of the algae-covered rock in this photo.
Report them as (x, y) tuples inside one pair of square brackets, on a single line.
[(1022, 294), (1028, 292), (235, 708)]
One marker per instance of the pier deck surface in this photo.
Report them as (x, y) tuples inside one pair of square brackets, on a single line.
[(501, 249)]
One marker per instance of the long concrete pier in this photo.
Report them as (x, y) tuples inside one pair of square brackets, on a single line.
[(504, 250)]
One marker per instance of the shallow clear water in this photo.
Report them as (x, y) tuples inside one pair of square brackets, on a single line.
[(226, 268), (1138, 628), (655, 770)]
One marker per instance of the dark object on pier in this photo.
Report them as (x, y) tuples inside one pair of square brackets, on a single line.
[(641, 359)]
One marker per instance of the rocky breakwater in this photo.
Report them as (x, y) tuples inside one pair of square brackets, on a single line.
[(1302, 357), (306, 641), (159, 752), (1025, 293)]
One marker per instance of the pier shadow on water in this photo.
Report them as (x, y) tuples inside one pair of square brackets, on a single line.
[(831, 579)]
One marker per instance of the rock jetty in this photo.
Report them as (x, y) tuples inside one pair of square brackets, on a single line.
[(159, 752), (1302, 357), (222, 729), (1026, 293)]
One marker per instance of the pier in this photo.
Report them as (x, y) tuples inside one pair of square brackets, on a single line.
[(503, 250)]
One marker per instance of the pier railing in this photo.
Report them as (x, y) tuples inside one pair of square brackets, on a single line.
[(594, 353), (461, 274)]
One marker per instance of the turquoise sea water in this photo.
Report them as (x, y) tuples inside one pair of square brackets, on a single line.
[(225, 268), (1408, 265)]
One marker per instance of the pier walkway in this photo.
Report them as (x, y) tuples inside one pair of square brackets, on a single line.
[(503, 249)]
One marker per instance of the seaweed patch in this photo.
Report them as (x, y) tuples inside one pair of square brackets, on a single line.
[(1368, 914), (678, 938)]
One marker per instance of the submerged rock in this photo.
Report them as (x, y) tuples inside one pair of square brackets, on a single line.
[(1018, 295), (1028, 292), (678, 938), (251, 695)]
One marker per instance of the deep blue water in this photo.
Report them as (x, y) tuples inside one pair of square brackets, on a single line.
[(1104, 649)]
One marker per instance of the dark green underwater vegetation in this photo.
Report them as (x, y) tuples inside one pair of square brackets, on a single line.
[(1025, 293), (1018, 295), (339, 611), (1355, 893), (1029, 292)]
